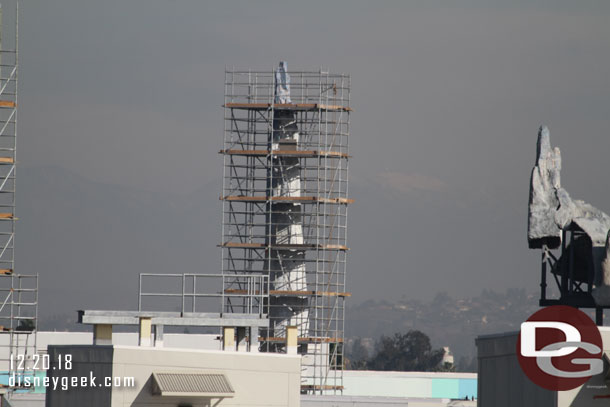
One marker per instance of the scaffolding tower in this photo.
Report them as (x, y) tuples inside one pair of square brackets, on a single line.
[(18, 321), (285, 199), (18, 292)]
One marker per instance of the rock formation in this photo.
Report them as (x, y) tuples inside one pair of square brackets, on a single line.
[(551, 211)]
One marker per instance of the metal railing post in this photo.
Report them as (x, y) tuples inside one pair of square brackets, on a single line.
[(183, 288), (222, 303)]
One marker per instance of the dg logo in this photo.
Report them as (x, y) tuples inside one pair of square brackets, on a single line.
[(560, 348)]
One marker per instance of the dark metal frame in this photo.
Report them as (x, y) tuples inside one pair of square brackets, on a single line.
[(573, 291)]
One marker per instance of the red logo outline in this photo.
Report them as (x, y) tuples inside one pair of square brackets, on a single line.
[(571, 363)]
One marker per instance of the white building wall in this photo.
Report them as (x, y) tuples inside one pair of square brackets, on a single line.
[(258, 379)]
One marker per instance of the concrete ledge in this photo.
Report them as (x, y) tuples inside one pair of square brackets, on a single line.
[(171, 318)]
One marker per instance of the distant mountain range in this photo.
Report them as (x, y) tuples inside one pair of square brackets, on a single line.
[(89, 241), (447, 321)]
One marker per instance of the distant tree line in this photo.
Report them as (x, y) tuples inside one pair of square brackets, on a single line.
[(411, 351)]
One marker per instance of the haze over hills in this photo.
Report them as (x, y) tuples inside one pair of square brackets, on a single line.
[(447, 101), (447, 321), (90, 240)]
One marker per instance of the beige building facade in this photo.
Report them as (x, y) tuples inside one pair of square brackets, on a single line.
[(174, 377)]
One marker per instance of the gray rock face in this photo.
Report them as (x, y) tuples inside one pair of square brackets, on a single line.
[(282, 84), (552, 210), (287, 267), (543, 201)]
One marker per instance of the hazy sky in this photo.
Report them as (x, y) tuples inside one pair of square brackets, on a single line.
[(448, 97)]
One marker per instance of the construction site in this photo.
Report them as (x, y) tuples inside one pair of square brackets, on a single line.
[(280, 289), (285, 197), (268, 313)]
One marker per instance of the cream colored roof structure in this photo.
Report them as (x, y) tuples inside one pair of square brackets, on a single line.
[(189, 384)]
